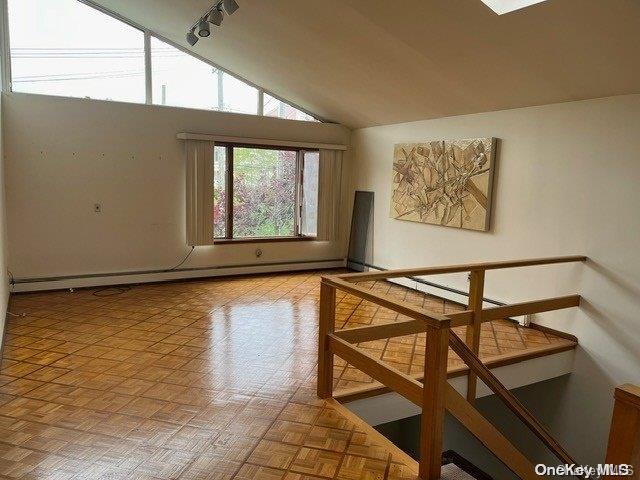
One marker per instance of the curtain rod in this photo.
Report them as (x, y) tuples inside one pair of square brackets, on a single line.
[(259, 141)]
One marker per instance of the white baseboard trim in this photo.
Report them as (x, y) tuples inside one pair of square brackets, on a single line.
[(124, 278)]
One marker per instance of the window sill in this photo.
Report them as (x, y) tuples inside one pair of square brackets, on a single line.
[(226, 241)]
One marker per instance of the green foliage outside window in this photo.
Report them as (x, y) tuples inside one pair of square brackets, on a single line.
[(264, 186)]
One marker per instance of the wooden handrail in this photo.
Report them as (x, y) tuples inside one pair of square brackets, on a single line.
[(434, 394), (431, 319), (397, 329), (400, 382), (489, 435), (467, 267), (378, 332), (417, 393), (528, 308), (458, 319), (476, 365)]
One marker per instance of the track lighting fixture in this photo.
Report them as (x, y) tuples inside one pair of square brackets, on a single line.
[(230, 6), (215, 16), (203, 28), (192, 38)]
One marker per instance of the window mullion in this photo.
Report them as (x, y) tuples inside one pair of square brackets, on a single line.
[(260, 102), (229, 193), (299, 192), (5, 50), (148, 81), (220, 87)]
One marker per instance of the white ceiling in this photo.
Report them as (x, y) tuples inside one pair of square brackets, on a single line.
[(370, 62)]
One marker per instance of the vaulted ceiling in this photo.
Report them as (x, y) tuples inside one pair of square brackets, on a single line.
[(370, 62)]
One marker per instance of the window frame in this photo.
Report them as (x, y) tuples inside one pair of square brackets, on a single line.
[(7, 78), (299, 195), (6, 57)]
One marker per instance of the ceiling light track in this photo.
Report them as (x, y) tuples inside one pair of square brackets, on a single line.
[(213, 16)]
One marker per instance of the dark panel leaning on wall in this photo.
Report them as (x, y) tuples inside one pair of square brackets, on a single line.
[(361, 236)]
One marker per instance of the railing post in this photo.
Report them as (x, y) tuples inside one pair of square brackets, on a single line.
[(433, 402), (476, 292), (624, 434), (326, 322)]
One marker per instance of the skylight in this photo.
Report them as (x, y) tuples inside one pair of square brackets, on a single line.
[(506, 6)]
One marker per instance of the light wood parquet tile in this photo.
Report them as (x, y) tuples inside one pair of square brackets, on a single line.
[(256, 472), (361, 468), (211, 379), (288, 432), (331, 439), (319, 463)]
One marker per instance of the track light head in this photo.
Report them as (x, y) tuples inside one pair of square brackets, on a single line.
[(230, 6), (216, 17), (203, 28), (192, 38)]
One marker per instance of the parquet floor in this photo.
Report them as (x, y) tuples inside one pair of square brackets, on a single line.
[(196, 380)]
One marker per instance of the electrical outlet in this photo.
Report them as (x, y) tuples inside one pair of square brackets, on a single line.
[(97, 207)]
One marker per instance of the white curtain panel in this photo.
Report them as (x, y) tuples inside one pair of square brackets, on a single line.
[(199, 170), (329, 193)]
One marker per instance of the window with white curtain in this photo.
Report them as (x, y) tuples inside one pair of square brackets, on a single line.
[(240, 192)]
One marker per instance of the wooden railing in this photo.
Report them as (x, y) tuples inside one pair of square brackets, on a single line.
[(624, 435), (434, 394)]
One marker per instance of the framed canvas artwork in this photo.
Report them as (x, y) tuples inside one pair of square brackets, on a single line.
[(444, 182)]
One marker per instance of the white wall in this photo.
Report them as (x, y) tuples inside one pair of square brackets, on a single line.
[(63, 155), (567, 182), (4, 284)]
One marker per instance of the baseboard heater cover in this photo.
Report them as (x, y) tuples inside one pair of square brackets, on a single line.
[(150, 276)]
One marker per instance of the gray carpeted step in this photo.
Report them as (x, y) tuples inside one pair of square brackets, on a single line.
[(456, 467), (453, 472)]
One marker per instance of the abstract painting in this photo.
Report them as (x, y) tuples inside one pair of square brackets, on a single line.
[(444, 182)]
